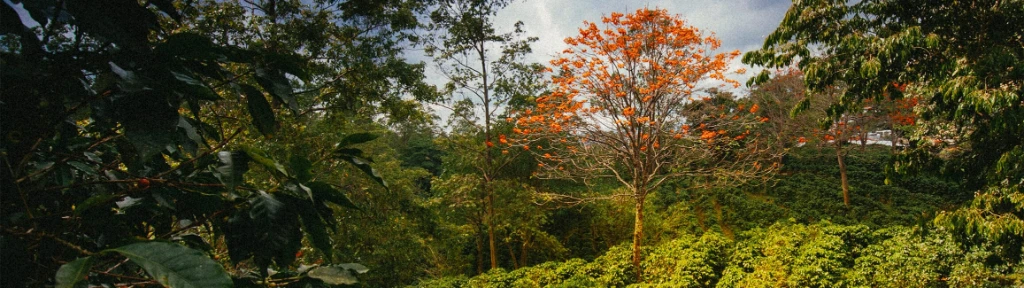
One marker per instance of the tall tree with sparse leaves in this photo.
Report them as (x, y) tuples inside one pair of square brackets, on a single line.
[(480, 63)]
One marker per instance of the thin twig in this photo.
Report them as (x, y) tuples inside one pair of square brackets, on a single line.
[(21, 192), (196, 223), (76, 185), (40, 235), (144, 280), (66, 159), (117, 265)]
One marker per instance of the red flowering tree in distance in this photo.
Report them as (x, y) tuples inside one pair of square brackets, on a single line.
[(627, 105)]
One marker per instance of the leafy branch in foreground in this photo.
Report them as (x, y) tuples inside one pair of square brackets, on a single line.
[(107, 142)]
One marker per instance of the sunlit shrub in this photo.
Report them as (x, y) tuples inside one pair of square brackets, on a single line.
[(794, 255), (688, 261), (445, 282)]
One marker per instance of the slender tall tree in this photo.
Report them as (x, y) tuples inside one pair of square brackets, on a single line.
[(478, 60)]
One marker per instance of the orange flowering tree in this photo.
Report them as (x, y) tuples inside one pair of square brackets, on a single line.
[(627, 105), (901, 114), (777, 98)]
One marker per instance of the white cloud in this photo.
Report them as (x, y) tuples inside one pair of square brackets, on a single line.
[(740, 24)]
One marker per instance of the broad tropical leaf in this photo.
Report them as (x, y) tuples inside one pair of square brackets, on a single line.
[(233, 164), (278, 86), (325, 192), (354, 156), (73, 272), (300, 167), (268, 232), (262, 115), (176, 266), (341, 274), (261, 157), (357, 138), (312, 223)]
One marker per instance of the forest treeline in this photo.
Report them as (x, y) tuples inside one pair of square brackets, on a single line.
[(288, 143)]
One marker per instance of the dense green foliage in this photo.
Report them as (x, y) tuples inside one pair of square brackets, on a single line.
[(795, 233), (964, 57), (827, 255), (149, 132), (961, 58), (782, 255), (287, 143)]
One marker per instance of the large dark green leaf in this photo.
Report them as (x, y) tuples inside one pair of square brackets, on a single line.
[(191, 46), (95, 201), (193, 241), (325, 192), (313, 223), (233, 164), (176, 266), (361, 163), (281, 237), (278, 86), (288, 63), (268, 231), (124, 22), (189, 87), (298, 190), (191, 133), (341, 274), (300, 167), (357, 138), (265, 206), (149, 117), (167, 6), (88, 169), (261, 157), (259, 109), (355, 156), (73, 273)]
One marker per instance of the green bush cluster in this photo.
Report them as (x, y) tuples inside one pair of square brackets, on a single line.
[(795, 233), (810, 189), (611, 269), (786, 254), (807, 190)]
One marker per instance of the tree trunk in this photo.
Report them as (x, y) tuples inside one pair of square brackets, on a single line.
[(526, 245), (638, 234), (490, 230), (842, 174), (512, 253), (489, 165), (479, 252), (892, 138)]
